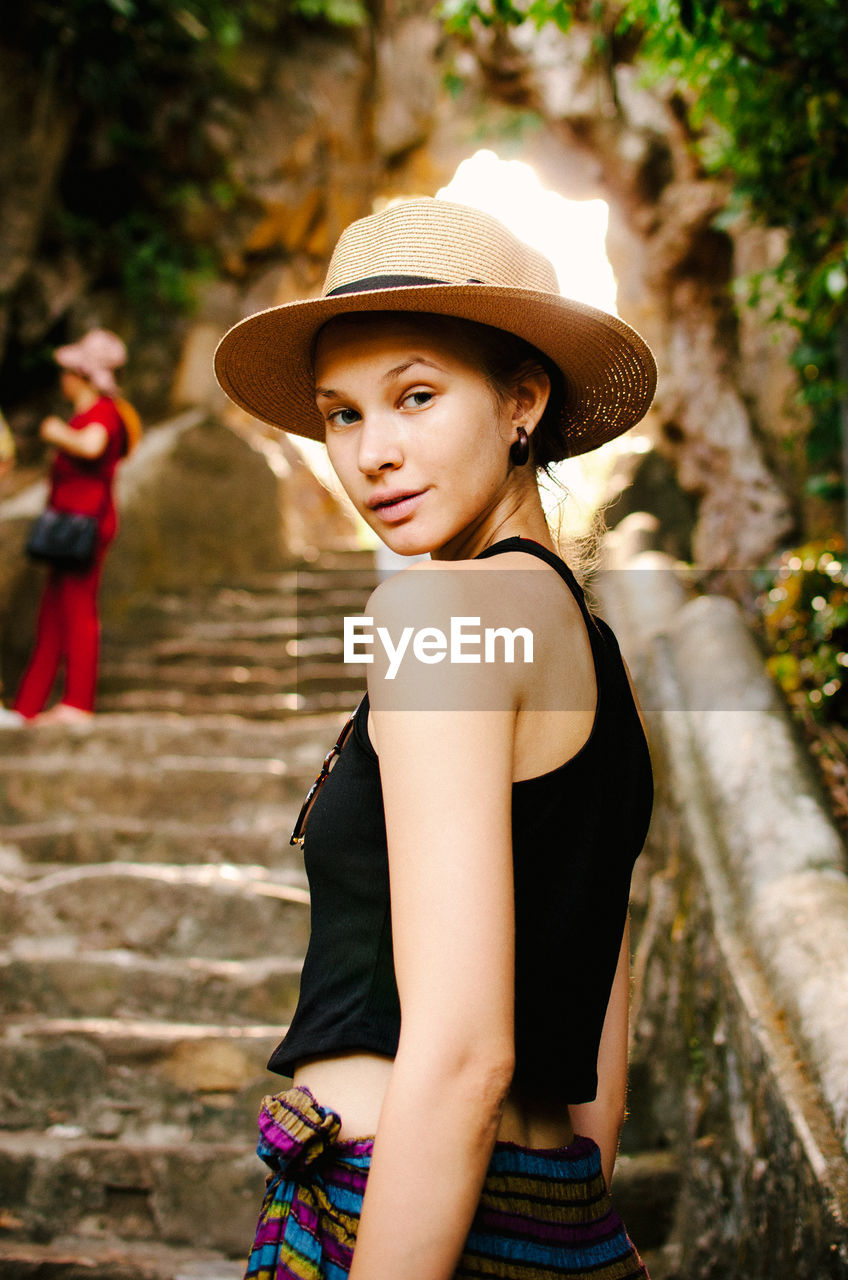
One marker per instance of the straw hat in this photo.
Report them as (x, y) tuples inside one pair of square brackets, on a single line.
[(433, 256), (95, 357)]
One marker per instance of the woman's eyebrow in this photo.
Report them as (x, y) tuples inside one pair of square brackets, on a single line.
[(328, 393), (391, 374)]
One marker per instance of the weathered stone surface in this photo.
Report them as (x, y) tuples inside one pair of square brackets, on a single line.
[(261, 706), (647, 482), (144, 1193), (801, 924), (49, 1082), (93, 984), (198, 505), (146, 1080), (219, 912), (195, 382), (106, 1260), (407, 84), (739, 1020), (715, 1074), (37, 789), (292, 741), (645, 1187), (99, 838)]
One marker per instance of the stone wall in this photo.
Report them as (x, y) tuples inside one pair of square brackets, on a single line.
[(715, 1077), (740, 1049)]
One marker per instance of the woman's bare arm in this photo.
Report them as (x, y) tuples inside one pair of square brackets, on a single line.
[(89, 442), (446, 776), (602, 1119)]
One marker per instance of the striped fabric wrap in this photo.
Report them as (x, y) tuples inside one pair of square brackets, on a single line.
[(543, 1214)]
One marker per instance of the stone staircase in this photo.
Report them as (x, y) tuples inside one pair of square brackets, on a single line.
[(154, 918), (154, 922)]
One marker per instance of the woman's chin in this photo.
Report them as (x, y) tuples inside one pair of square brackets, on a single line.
[(409, 546), (407, 540)]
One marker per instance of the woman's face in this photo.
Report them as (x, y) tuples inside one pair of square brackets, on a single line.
[(415, 433), (72, 384)]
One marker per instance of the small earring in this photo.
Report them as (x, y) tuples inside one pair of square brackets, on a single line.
[(520, 451)]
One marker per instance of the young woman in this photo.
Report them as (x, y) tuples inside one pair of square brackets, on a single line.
[(459, 1047), (88, 449)]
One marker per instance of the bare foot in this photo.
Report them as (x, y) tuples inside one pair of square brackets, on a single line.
[(63, 713)]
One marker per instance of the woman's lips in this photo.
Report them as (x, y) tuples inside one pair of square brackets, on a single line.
[(392, 512)]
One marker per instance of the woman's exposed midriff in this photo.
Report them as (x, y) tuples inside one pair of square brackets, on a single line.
[(354, 1086)]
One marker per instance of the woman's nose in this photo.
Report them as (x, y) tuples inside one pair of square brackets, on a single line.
[(379, 444)]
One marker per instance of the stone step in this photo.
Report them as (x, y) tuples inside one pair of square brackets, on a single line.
[(138, 1080), (213, 678), (644, 1189), (75, 1259), (260, 706), (321, 575), (28, 849), (69, 1258), (219, 913), (127, 1192), (305, 598), (220, 788), (665, 1263), (165, 629), (34, 981), (310, 583), (143, 736), (101, 1190), (251, 652)]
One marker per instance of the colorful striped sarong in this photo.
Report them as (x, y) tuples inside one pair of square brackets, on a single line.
[(543, 1214)]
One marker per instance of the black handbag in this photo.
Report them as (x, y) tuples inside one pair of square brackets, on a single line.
[(63, 538)]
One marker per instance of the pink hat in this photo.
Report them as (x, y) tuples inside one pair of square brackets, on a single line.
[(95, 357)]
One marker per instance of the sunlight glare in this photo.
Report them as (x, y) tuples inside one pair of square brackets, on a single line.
[(572, 234), (569, 232)]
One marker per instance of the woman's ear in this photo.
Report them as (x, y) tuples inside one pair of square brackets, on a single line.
[(532, 391)]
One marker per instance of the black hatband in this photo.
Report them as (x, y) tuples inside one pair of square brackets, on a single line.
[(381, 282)]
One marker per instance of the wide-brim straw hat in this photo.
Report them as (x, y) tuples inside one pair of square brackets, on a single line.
[(434, 256)]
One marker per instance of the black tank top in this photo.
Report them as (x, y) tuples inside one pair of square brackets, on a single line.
[(577, 831)]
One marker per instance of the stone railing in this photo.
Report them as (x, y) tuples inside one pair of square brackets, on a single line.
[(742, 970)]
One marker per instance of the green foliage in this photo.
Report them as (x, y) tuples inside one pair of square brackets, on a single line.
[(804, 610), (142, 78), (766, 88), (459, 15)]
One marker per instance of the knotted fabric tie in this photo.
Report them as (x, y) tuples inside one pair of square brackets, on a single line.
[(294, 1133), (294, 1130)]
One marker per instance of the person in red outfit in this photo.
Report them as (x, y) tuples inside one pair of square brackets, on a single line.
[(88, 449)]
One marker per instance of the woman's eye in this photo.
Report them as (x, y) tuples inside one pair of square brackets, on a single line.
[(417, 399), (343, 417)]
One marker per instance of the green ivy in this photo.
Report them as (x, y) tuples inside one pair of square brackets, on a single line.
[(804, 611)]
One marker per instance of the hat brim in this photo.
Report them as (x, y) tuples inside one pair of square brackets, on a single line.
[(264, 363)]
